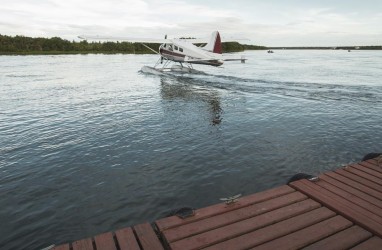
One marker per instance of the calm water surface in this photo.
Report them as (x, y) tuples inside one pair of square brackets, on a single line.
[(88, 143)]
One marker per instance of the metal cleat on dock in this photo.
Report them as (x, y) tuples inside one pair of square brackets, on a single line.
[(314, 179), (231, 200)]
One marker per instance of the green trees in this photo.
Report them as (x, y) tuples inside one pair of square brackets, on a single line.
[(56, 45)]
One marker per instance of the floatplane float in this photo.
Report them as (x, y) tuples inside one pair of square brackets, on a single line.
[(179, 54)]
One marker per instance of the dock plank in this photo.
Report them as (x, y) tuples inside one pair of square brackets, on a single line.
[(352, 198), (85, 244), (220, 208), (363, 174), (377, 162), (147, 237), (230, 217), (126, 239), (370, 165), (276, 230), (341, 206), (359, 179), (368, 170), (376, 194), (350, 189), (242, 227), (61, 247), (308, 235), (105, 241), (342, 240), (374, 243)]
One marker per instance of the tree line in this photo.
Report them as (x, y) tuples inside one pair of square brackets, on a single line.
[(57, 45)]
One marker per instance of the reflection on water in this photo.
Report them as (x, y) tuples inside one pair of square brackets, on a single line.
[(90, 144), (180, 88)]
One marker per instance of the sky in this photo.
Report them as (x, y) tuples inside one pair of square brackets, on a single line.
[(268, 23)]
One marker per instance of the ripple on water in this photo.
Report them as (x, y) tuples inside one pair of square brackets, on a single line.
[(89, 144)]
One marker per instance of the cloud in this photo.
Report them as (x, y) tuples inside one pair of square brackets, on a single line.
[(267, 23)]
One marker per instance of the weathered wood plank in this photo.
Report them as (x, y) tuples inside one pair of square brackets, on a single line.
[(105, 241), (343, 240), (147, 237), (308, 235), (368, 170), (126, 239), (85, 244), (355, 184), (363, 195), (370, 165), (377, 162), (245, 226), (275, 230), (374, 243), (363, 174), (341, 206), (230, 217), (359, 179), (352, 198), (61, 247), (220, 208)]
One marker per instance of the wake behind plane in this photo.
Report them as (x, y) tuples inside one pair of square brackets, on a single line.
[(179, 54)]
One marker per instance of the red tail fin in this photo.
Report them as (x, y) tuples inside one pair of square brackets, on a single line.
[(215, 44)]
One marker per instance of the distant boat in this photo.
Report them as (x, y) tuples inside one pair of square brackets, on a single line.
[(270, 51)]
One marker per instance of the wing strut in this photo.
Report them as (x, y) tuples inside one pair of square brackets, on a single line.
[(156, 52)]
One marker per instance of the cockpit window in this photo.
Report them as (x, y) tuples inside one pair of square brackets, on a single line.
[(176, 47), (180, 49)]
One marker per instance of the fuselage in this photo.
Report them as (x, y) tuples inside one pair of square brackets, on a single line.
[(181, 51)]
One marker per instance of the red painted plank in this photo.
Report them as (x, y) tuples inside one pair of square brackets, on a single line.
[(338, 204), (363, 175), (275, 230), (147, 237), (359, 179), (220, 220), (126, 239), (370, 165), (245, 226), (85, 244), (355, 184), (105, 241), (363, 195), (61, 247), (343, 240), (308, 235), (352, 198), (376, 161), (220, 208), (374, 243), (368, 170)]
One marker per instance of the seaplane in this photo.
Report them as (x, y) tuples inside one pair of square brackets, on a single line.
[(179, 54)]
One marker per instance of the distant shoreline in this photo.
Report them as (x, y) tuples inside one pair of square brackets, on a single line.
[(26, 53), (22, 45)]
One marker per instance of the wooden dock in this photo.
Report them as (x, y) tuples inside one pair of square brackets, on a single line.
[(341, 210)]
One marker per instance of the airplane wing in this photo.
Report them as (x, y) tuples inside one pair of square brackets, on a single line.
[(207, 39), (157, 40), (124, 39)]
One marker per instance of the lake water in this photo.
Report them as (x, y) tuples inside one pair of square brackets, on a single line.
[(89, 144)]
